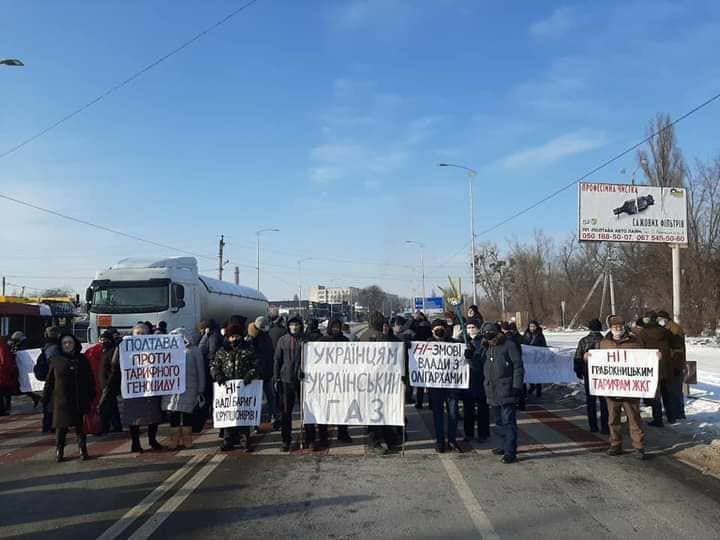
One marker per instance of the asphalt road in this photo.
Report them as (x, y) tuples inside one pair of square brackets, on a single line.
[(563, 487)]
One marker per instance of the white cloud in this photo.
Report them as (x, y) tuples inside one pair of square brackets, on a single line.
[(559, 88), (421, 128), (555, 149), (378, 14), (560, 22)]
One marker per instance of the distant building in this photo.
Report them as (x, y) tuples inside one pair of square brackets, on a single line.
[(321, 294)]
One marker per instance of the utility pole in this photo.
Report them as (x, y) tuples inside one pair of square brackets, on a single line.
[(220, 257), (237, 275)]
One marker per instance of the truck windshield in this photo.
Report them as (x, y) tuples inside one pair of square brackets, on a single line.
[(130, 297)]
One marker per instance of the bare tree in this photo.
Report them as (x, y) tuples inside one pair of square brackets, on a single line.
[(664, 166)]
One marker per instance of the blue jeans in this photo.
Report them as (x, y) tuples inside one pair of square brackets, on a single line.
[(440, 400), (506, 422)]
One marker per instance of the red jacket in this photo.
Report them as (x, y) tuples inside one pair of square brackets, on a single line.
[(8, 370)]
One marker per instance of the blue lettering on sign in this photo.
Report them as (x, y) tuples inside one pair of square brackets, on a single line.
[(431, 302)]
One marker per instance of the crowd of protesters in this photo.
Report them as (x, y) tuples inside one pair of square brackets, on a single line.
[(82, 390)]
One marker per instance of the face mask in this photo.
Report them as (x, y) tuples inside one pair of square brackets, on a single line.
[(617, 334), (473, 332), (646, 320), (294, 329), (662, 322), (439, 333)]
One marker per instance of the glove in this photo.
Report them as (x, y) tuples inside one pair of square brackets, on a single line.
[(201, 400), (469, 352), (405, 380), (301, 374), (220, 379)]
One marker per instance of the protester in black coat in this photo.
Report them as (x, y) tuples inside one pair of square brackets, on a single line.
[(589, 342), (70, 387), (286, 374), (335, 334), (475, 407), (277, 328), (534, 337), (313, 332), (443, 402), (504, 374), (109, 412), (379, 434), (42, 366)]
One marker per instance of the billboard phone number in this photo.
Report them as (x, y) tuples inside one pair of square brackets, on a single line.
[(620, 237)]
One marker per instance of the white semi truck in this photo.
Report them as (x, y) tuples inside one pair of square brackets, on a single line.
[(169, 290)]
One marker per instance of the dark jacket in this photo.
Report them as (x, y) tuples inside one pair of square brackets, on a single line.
[(503, 370), (655, 336), (535, 339), (106, 364), (476, 388), (677, 347), (288, 355), (589, 342), (263, 345), (235, 362), (42, 366), (70, 387), (277, 330), (210, 343)]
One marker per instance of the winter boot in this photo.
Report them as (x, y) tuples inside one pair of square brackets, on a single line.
[(135, 438), (60, 444), (82, 444), (175, 438), (152, 438), (186, 437)]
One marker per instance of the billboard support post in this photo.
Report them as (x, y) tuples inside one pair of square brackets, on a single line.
[(676, 281)]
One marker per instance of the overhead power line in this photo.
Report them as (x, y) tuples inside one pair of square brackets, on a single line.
[(102, 227), (127, 81), (601, 166)]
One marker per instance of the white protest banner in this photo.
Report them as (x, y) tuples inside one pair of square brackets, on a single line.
[(548, 365), (353, 383), (434, 364), (25, 361), (629, 213), (235, 404), (631, 373), (152, 365)]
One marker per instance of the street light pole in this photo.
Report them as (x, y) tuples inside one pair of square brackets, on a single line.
[(257, 234), (422, 266), (299, 263), (471, 174)]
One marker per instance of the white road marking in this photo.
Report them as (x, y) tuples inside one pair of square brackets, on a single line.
[(172, 504), (477, 514), (139, 509)]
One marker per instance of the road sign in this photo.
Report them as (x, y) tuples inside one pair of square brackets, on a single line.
[(432, 303)]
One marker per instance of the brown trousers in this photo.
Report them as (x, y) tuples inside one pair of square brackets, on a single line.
[(632, 411)]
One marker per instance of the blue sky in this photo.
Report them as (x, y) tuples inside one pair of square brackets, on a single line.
[(325, 119)]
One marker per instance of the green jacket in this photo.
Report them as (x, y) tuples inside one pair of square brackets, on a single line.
[(235, 363)]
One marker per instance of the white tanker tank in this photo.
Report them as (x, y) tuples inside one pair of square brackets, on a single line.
[(167, 290)]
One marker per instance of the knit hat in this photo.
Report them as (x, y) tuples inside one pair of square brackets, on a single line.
[(262, 323), (614, 320), (595, 325), (18, 336), (107, 334), (234, 330), (473, 322), (663, 314), (439, 322), (490, 328)]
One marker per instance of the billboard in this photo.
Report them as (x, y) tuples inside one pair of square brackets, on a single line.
[(632, 213)]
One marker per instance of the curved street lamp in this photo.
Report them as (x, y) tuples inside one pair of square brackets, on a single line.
[(471, 174)]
